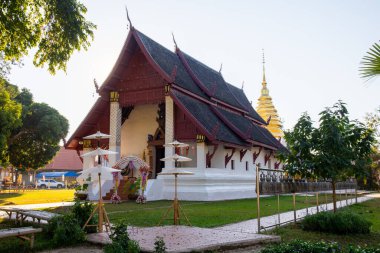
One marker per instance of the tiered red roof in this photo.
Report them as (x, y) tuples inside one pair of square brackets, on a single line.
[(217, 109)]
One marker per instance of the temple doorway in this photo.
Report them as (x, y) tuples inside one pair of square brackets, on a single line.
[(160, 153), (156, 152)]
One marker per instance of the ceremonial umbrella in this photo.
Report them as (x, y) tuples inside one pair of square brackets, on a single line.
[(99, 151), (176, 158), (98, 135), (105, 172), (176, 144)]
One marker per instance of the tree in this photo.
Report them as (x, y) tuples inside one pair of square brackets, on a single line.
[(29, 132), (370, 65), (36, 142), (338, 149), (10, 113), (57, 28), (299, 158)]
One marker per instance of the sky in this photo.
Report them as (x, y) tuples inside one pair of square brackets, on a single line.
[(312, 50)]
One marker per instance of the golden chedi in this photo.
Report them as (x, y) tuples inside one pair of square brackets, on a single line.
[(267, 111)]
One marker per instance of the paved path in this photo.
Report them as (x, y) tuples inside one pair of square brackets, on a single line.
[(250, 226)]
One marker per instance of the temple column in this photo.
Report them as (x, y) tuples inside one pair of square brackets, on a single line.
[(115, 128), (201, 152), (88, 161), (169, 129)]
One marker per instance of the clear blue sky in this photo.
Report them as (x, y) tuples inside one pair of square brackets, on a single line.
[(312, 48)]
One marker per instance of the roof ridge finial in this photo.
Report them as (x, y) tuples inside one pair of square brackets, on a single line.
[(175, 43), (129, 20), (242, 85), (221, 67), (264, 80)]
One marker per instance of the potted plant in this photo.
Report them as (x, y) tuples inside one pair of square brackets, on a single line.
[(81, 192)]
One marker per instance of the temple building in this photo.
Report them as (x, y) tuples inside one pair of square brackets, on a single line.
[(267, 111), (154, 96)]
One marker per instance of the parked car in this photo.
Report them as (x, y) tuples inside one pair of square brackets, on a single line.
[(49, 183)]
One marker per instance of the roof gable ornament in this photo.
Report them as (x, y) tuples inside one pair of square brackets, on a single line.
[(129, 20), (175, 43), (242, 85), (221, 67), (96, 86)]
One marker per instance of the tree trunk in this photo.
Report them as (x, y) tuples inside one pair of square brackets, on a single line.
[(334, 195)]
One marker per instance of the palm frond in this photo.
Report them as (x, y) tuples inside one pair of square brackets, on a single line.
[(370, 64)]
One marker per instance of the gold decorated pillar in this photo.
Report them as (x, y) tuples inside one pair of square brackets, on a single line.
[(201, 152), (115, 127), (88, 161), (169, 127)]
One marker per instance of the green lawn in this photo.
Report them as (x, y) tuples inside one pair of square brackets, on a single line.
[(369, 209), (36, 197), (205, 214)]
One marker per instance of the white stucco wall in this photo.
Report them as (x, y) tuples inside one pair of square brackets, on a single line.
[(135, 130)]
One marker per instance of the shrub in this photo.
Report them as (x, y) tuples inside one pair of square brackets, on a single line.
[(298, 246), (159, 245), (120, 240), (303, 247), (338, 223), (65, 230), (82, 212)]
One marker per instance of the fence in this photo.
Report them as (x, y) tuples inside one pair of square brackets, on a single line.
[(277, 182)]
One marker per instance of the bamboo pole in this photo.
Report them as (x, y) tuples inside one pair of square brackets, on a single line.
[(294, 208), (258, 198), (317, 202), (278, 209)]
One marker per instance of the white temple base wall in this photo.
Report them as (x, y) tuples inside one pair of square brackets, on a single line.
[(210, 185)]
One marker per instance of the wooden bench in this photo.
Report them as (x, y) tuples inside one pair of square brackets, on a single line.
[(25, 233), (22, 214), (35, 215), (12, 210)]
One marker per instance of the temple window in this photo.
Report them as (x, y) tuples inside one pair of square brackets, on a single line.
[(246, 165), (232, 164)]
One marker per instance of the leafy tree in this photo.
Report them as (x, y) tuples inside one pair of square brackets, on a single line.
[(57, 28), (338, 149), (299, 157), (37, 141), (10, 112), (29, 132), (371, 63), (342, 147)]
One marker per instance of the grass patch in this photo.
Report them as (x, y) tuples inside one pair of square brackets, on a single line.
[(201, 213), (36, 197), (370, 210)]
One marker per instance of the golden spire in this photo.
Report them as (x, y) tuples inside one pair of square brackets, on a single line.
[(266, 109), (264, 83)]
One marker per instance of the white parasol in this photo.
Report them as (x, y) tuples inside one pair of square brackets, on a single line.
[(99, 151), (176, 172), (98, 135), (176, 144), (176, 158), (105, 172)]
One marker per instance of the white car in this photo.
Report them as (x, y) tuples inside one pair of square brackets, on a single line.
[(49, 183)]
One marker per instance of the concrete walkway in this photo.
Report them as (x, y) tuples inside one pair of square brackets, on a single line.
[(250, 226)]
